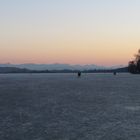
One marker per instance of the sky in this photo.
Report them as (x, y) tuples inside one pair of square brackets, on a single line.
[(102, 32)]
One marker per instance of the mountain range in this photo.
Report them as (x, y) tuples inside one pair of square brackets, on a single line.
[(59, 66)]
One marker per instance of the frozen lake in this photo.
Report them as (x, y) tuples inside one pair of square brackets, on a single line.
[(64, 107)]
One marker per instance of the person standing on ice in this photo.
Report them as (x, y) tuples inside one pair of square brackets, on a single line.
[(79, 74)]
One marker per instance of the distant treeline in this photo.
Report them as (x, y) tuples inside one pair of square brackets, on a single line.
[(19, 70), (134, 65)]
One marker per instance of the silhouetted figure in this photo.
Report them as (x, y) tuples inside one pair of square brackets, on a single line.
[(79, 74), (115, 73)]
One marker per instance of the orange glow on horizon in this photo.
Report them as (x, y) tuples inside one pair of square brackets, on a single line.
[(71, 52)]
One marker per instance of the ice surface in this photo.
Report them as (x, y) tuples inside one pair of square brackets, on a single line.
[(64, 107)]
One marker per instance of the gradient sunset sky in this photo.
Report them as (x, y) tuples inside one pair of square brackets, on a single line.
[(102, 32)]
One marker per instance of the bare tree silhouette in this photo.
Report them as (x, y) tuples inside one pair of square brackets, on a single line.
[(134, 66)]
